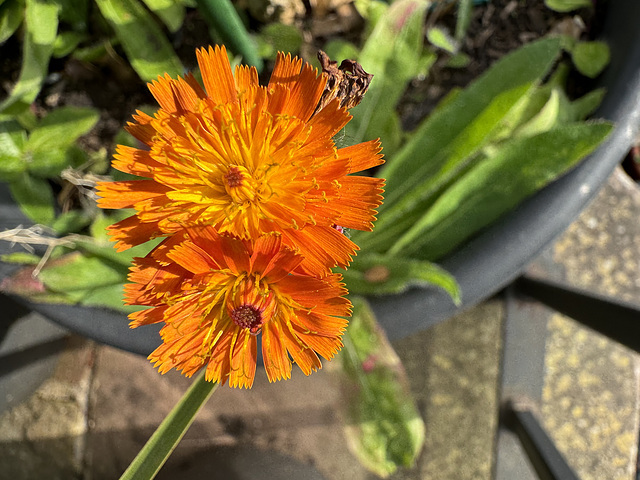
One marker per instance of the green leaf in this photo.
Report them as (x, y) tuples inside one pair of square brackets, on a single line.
[(440, 38), (567, 5), (224, 20), (107, 252), (546, 118), (339, 48), (71, 222), (373, 274), (590, 58), (12, 139), (61, 128), (41, 25), (459, 60), (24, 258), (74, 12), (465, 11), (281, 38), (459, 154), (428, 150), (34, 197), (47, 164), (393, 53), (169, 11), (516, 169), (451, 138), (109, 296), (11, 15), (66, 42), (165, 439), (79, 272), (147, 48), (384, 428), (587, 104)]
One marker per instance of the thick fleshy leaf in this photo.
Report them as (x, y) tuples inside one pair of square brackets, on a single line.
[(147, 48), (508, 175), (384, 428), (373, 274)]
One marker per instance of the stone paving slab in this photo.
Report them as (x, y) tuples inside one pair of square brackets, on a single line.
[(590, 397)]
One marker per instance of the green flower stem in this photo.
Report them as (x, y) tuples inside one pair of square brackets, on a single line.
[(223, 18), (167, 436)]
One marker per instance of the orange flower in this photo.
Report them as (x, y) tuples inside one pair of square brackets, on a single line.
[(216, 293), (247, 160)]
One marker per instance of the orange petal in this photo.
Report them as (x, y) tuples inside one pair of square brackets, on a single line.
[(134, 161), (192, 258), (127, 193), (362, 156), (216, 74), (276, 360), (245, 77), (131, 232)]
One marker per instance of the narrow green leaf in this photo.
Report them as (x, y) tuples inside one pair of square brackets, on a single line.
[(41, 25), (66, 42), (71, 222), (546, 118), (393, 54), (78, 272), (458, 155), (169, 11), (223, 18), (587, 104), (11, 15), (24, 258), (61, 127), (74, 12), (465, 10), (590, 58), (34, 197), (165, 439), (384, 428), (147, 48), (498, 183), (567, 5), (373, 274), (440, 38), (426, 152)]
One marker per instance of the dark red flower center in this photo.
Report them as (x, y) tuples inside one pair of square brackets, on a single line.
[(234, 177), (247, 316)]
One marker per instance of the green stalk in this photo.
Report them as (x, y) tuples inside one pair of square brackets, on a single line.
[(167, 436), (223, 18)]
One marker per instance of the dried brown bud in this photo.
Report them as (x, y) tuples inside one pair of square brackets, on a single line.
[(348, 82)]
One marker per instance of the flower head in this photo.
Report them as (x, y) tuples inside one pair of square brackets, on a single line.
[(216, 293), (247, 160)]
